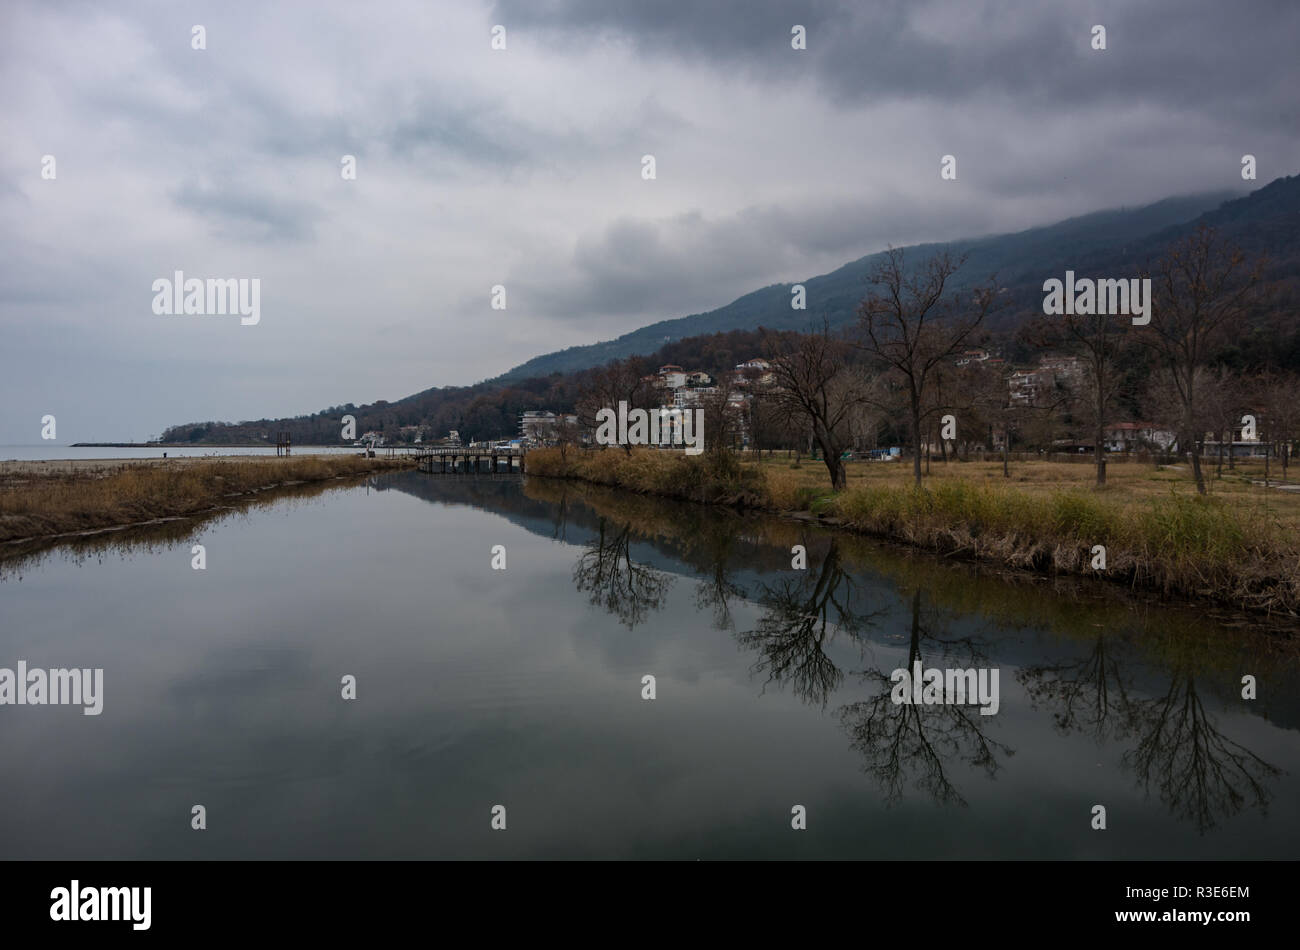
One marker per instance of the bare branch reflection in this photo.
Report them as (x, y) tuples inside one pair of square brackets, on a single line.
[(800, 617), (1199, 773), (624, 588), (1090, 694), (905, 744)]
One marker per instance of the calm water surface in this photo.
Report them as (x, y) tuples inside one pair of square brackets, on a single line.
[(522, 687)]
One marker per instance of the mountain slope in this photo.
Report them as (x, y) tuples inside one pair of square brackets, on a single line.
[(1110, 243), (1013, 257)]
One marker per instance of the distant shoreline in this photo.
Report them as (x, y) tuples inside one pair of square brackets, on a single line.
[(197, 445)]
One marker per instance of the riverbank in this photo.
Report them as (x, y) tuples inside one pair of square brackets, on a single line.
[(172, 445), (1234, 548), (48, 500)]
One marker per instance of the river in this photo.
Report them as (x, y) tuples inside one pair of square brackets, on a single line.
[(524, 688)]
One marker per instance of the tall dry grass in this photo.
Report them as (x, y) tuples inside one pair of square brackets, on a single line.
[(708, 478), (1231, 548), (39, 505)]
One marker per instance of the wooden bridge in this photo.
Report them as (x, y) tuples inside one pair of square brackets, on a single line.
[(444, 460)]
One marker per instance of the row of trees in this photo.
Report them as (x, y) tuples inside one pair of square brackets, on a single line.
[(898, 362), (891, 376)]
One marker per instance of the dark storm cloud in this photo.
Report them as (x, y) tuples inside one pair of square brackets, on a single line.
[(474, 134), (479, 167), (1201, 55), (254, 216), (689, 262)]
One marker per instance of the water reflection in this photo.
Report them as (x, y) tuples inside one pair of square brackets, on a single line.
[(607, 574), (801, 614), (1172, 744), (21, 557), (479, 686), (910, 744)]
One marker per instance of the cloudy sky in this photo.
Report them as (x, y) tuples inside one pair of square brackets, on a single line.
[(523, 167)]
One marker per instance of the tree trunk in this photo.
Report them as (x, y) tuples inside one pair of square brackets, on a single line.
[(1100, 450), (1196, 467), (834, 465), (916, 443), (1006, 454), (836, 469)]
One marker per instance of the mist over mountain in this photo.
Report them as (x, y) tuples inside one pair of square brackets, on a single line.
[(1115, 243), (1016, 258)]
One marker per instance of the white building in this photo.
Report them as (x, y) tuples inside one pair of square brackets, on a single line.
[(537, 425), (1128, 436), (672, 376), (683, 398)]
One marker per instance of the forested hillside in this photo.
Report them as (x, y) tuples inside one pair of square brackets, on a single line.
[(1105, 244)]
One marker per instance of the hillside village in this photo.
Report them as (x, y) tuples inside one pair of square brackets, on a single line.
[(1027, 387)]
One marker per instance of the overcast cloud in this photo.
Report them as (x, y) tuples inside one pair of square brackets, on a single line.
[(523, 168)]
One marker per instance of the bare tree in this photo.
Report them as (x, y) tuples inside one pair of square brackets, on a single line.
[(765, 428), (1202, 288), (721, 418), (566, 434), (818, 385), (914, 321), (620, 381), (1222, 409), (1097, 339), (538, 431), (996, 410), (1279, 395)]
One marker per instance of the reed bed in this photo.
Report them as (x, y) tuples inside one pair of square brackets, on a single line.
[(36, 505), (1237, 548)]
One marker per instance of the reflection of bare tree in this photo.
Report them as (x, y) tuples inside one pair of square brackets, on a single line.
[(800, 616), (716, 590), (615, 582), (1199, 773), (909, 744), (716, 594), (1090, 693), (560, 518)]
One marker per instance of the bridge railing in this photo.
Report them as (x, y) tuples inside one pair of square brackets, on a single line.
[(442, 450)]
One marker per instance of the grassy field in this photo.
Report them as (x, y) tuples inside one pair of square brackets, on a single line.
[(46, 500), (1237, 545), (1123, 479)]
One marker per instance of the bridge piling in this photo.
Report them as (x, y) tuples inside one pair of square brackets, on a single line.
[(477, 461)]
